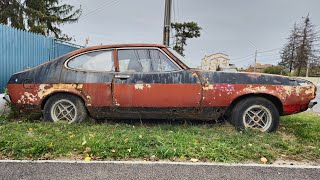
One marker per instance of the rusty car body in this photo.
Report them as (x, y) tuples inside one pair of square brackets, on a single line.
[(149, 81)]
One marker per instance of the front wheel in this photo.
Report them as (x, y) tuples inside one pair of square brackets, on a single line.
[(255, 113), (64, 108)]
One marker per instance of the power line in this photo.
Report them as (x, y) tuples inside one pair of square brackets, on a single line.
[(250, 55), (271, 50), (109, 4), (259, 52), (269, 55)]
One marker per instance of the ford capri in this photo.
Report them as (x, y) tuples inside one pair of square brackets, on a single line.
[(149, 81)]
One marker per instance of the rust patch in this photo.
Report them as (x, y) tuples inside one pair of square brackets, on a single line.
[(207, 87), (254, 75)]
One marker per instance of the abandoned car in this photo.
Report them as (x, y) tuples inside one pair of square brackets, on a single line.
[(147, 81)]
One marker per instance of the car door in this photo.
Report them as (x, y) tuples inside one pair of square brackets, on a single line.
[(150, 84), (92, 73)]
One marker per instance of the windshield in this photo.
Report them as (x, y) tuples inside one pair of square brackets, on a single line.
[(181, 58)]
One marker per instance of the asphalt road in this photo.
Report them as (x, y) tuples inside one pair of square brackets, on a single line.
[(119, 170)]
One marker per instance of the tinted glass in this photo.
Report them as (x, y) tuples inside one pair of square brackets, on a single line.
[(93, 61)]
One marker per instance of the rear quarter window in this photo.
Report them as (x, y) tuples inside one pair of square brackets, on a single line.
[(93, 61)]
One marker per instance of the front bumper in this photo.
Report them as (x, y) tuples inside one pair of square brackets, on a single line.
[(312, 103)]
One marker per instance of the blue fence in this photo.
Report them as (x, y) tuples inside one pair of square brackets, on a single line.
[(20, 50)]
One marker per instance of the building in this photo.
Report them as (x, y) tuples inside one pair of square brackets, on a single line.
[(213, 61)]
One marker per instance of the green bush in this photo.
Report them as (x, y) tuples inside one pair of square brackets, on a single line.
[(276, 70)]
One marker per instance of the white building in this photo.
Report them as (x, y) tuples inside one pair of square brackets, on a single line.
[(213, 61)]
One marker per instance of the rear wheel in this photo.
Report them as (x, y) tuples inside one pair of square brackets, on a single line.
[(255, 113), (65, 108)]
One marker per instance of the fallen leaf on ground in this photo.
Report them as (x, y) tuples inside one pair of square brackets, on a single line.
[(154, 158), (50, 145), (194, 160), (92, 135), (88, 150), (264, 160), (87, 159)]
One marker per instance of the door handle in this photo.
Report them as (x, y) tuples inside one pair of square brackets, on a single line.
[(122, 76)]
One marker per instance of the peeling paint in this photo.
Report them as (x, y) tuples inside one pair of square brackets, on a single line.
[(138, 86), (207, 87)]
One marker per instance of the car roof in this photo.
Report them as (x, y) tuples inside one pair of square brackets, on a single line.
[(115, 46)]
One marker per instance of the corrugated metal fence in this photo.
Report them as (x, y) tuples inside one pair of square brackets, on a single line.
[(20, 50)]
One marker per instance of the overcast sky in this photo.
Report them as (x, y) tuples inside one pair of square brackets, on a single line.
[(228, 25)]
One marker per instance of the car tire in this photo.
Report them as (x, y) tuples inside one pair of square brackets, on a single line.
[(65, 108), (255, 113)]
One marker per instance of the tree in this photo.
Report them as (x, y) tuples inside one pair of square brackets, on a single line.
[(302, 50), (45, 17), (184, 31), (275, 70), (39, 16), (289, 52), (11, 13)]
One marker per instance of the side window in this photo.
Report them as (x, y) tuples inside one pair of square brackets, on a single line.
[(161, 63), (144, 60), (134, 60), (93, 61)]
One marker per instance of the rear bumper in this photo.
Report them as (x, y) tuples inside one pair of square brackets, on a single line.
[(312, 103)]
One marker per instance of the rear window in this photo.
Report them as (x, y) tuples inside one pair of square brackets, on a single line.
[(93, 61)]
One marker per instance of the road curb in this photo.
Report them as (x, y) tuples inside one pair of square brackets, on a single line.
[(163, 163)]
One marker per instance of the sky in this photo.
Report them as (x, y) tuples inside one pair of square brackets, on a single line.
[(233, 27)]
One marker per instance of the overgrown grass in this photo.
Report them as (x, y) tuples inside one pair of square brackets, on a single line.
[(297, 138)]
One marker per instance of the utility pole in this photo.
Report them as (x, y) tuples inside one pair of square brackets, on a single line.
[(255, 56), (167, 22), (255, 60)]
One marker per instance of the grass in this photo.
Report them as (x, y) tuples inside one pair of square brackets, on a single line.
[(296, 139)]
